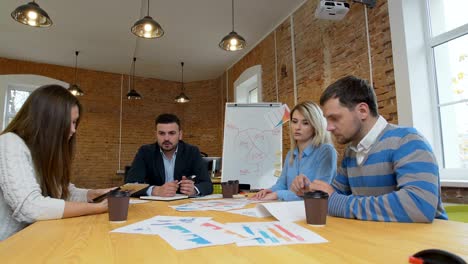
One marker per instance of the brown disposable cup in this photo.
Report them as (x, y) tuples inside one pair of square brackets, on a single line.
[(228, 189), (316, 208), (117, 202), (235, 186)]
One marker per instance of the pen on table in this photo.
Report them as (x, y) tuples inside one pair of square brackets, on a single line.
[(189, 178)]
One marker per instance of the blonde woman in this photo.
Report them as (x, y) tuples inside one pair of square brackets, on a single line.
[(312, 153)]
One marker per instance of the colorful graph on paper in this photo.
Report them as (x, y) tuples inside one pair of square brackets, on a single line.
[(193, 232), (152, 225), (278, 116), (223, 230), (275, 234), (211, 233), (213, 205)]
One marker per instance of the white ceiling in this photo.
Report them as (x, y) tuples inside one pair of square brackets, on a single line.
[(100, 30)]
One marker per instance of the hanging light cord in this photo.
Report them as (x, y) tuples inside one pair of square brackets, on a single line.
[(183, 88), (76, 63), (232, 14), (148, 9), (133, 73)]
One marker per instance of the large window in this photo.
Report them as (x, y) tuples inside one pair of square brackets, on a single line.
[(15, 98), (15, 88), (248, 86), (448, 47), (247, 91), (430, 58)]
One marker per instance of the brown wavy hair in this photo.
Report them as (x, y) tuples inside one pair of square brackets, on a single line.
[(43, 122)]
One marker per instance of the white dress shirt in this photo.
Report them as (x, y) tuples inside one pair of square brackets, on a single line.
[(366, 143)]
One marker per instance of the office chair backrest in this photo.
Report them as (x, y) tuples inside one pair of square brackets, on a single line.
[(127, 168)]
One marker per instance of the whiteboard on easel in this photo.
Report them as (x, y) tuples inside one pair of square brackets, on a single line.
[(252, 145)]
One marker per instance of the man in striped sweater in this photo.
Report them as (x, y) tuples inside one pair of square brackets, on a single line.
[(388, 173)]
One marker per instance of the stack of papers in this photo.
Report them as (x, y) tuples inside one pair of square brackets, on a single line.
[(214, 205), (284, 211), (193, 232), (161, 198)]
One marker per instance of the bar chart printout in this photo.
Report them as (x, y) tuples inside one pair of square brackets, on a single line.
[(188, 236), (153, 225), (275, 234)]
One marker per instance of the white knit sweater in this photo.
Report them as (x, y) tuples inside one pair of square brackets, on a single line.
[(21, 199)]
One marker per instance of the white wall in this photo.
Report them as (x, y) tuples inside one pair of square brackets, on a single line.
[(412, 79)]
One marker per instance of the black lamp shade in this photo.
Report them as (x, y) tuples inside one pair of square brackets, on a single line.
[(147, 28), (232, 42), (74, 88), (182, 98), (32, 15), (133, 95)]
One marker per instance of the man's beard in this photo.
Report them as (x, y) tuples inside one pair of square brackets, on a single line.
[(346, 140), (343, 140), (168, 147)]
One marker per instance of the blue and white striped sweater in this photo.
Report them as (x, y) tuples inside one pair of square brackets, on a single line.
[(398, 181)]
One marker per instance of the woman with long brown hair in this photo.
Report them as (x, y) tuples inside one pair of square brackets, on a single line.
[(36, 153)]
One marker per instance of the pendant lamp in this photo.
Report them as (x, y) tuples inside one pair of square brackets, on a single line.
[(147, 27), (32, 15), (74, 88), (132, 93), (182, 98), (232, 41)]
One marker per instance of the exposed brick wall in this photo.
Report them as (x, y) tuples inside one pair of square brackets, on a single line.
[(264, 54), (325, 51), (285, 74), (455, 195), (382, 59), (97, 157), (202, 117)]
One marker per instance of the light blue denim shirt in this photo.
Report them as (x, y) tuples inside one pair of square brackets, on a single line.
[(169, 165), (317, 163)]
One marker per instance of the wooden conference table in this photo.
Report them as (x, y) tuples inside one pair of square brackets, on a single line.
[(87, 240)]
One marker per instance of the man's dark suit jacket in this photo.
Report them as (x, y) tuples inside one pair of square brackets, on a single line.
[(148, 167)]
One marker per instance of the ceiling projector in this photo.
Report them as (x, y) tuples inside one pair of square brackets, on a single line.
[(331, 10)]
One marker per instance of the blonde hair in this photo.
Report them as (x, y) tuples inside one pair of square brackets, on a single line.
[(313, 114)]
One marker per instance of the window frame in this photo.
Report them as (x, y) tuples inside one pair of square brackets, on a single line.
[(250, 94), (415, 76), (24, 80), (15, 87), (242, 89)]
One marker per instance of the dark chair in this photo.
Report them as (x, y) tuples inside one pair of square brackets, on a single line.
[(213, 164), (127, 168)]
